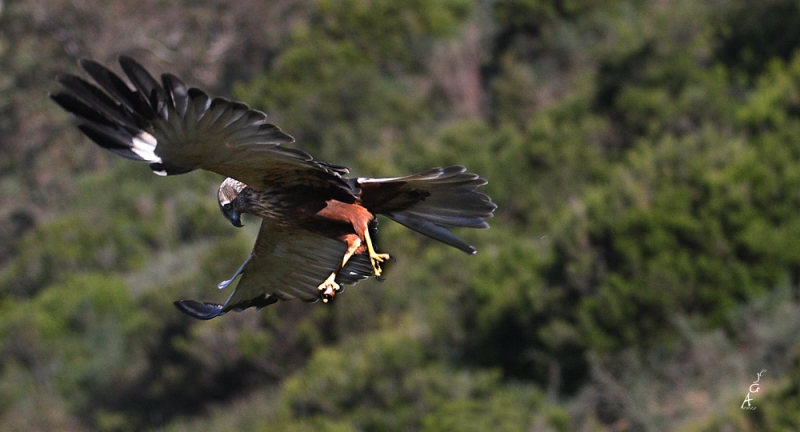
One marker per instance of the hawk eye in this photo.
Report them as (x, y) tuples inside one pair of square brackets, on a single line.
[(227, 206)]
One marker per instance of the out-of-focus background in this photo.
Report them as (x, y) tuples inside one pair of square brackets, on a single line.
[(642, 267)]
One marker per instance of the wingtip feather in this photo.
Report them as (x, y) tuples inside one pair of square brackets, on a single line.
[(199, 310)]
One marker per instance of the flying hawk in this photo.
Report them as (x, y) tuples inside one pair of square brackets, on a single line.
[(316, 227)]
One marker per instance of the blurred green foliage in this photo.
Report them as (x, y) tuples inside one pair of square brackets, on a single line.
[(642, 265)]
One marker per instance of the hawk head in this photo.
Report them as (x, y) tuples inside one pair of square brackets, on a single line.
[(228, 198)]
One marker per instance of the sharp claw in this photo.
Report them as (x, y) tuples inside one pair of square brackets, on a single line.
[(328, 294), (376, 259), (382, 257), (329, 288)]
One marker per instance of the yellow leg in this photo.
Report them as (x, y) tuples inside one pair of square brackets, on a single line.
[(350, 251), (329, 288), (374, 257)]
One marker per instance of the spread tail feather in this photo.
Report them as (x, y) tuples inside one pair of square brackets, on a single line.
[(429, 201)]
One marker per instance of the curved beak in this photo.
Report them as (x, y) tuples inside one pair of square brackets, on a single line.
[(236, 219)]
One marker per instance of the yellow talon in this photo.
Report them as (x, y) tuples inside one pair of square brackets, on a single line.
[(329, 288), (374, 257), (376, 260)]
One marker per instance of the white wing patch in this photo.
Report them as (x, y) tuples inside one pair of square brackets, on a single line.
[(144, 145)]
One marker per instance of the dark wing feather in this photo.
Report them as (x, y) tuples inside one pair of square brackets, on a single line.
[(358, 268), (287, 264), (148, 87), (178, 129), (179, 92), (132, 101)]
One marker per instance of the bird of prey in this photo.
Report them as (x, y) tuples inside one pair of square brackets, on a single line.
[(317, 225)]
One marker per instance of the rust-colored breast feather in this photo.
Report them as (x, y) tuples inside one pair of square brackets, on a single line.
[(353, 214)]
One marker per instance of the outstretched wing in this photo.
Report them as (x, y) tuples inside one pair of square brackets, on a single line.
[(285, 264), (178, 129)]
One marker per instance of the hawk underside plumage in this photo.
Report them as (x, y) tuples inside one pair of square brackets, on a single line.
[(315, 234)]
